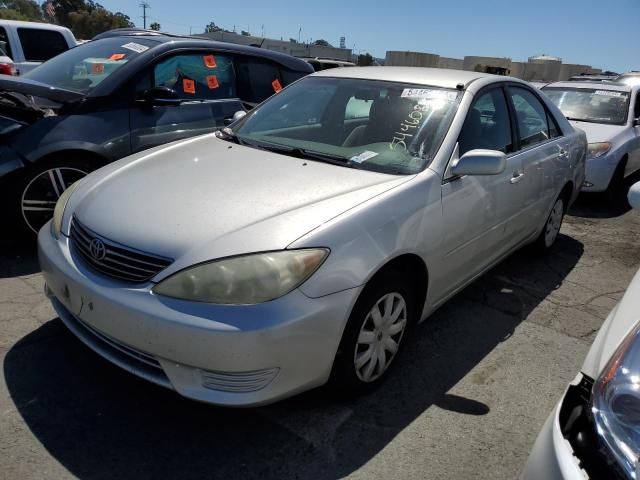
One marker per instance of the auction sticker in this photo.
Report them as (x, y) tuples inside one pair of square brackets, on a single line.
[(428, 93), (135, 47), (364, 156), (608, 93)]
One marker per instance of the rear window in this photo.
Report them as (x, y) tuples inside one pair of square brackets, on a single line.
[(41, 45), (5, 47)]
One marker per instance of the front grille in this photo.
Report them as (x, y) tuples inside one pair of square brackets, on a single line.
[(238, 382), (118, 261)]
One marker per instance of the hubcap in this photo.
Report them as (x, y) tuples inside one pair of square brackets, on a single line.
[(41, 194), (380, 337), (554, 223)]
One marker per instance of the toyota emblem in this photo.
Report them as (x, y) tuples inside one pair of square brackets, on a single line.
[(97, 249)]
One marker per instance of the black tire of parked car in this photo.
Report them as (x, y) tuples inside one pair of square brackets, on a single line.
[(344, 379), (33, 191), (616, 191), (554, 221)]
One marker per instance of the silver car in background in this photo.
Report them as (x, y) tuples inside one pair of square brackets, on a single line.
[(593, 430), (301, 245), (610, 116)]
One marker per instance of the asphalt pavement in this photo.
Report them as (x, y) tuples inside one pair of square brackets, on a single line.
[(466, 400)]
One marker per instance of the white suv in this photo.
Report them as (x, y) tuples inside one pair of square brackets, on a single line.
[(29, 44)]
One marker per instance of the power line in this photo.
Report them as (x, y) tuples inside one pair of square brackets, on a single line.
[(144, 6)]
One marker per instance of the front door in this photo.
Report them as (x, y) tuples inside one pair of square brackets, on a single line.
[(480, 212), (206, 84)]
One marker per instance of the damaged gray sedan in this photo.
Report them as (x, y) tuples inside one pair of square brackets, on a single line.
[(302, 244)]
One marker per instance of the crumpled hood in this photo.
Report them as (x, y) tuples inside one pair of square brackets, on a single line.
[(598, 132), (620, 322), (207, 198)]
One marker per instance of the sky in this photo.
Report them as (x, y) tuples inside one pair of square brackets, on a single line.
[(601, 34)]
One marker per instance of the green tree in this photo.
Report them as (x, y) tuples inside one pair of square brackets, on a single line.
[(155, 26), (27, 10), (87, 18), (212, 27), (322, 43), (365, 60)]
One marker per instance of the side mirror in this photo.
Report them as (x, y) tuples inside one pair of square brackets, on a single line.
[(634, 196), (160, 96), (480, 162), (236, 116)]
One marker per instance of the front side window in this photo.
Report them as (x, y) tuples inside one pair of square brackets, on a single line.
[(41, 45), (595, 105), (258, 79), (487, 125), (400, 132), (84, 67), (197, 76), (531, 116)]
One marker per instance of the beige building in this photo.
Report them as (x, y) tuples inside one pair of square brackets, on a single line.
[(541, 68), (282, 46)]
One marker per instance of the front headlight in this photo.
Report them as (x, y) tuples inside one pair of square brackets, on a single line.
[(58, 211), (247, 279), (616, 404), (595, 150)]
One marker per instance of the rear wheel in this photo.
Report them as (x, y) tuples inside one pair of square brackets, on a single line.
[(549, 234), (34, 194), (375, 334)]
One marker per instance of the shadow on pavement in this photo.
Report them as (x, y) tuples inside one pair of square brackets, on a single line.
[(102, 423), (599, 205), (18, 257)]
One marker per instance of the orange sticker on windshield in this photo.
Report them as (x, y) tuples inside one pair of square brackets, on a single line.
[(189, 86), (209, 61), (97, 68), (277, 86), (117, 56), (212, 82)]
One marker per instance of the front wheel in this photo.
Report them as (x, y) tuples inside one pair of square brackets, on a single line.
[(34, 195), (549, 234), (374, 334)]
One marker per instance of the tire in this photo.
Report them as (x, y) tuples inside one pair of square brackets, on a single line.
[(616, 191), (35, 190), (549, 234), (356, 371)]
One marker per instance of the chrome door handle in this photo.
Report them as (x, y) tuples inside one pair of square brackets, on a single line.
[(516, 177)]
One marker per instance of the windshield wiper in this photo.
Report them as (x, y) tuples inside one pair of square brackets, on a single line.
[(305, 154)]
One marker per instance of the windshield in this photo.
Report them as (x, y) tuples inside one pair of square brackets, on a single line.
[(374, 125), (591, 105), (85, 66)]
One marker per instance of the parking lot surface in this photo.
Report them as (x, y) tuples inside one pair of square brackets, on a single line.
[(466, 400)]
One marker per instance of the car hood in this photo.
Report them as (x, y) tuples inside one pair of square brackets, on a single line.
[(207, 198), (620, 322), (26, 86), (598, 132)]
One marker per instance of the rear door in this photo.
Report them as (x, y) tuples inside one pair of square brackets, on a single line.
[(37, 46), (544, 157), (205, 81)]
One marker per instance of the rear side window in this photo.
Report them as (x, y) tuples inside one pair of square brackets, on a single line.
[(41, 45), (5, 46), (532, 117), (487, 124), (201, 76), (258, 79)]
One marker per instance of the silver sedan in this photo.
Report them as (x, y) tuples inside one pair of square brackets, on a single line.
[(301, 245)]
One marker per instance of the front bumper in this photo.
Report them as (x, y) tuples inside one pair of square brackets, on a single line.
[(599, 172), (222, 354)]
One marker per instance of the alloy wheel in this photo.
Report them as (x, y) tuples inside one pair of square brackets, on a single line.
[(380, 336), (552, 228), (41, 194)]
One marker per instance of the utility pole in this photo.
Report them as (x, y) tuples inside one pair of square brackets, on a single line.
[(299, 32), (144, 6)]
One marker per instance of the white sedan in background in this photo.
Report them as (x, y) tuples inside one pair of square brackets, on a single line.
[(609, 114), (594, 431)]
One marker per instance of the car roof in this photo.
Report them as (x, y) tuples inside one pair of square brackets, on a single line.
[(39, 25), (434, 77), (169, 42), (617, 87)]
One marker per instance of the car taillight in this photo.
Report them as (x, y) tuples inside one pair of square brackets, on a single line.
[(7, 69)]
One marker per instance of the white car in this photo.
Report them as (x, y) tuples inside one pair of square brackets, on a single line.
[(28, 44), (594, 431), (609, 114)]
